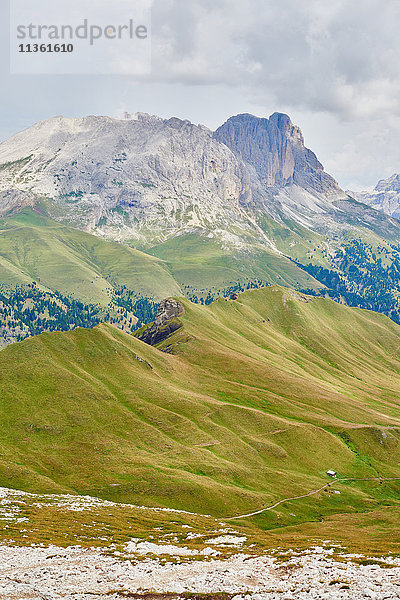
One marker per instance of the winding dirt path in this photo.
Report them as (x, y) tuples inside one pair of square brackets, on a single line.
[(257, 512)]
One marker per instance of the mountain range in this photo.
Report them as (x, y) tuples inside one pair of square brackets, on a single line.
[(384, 197), (116, 214), (146, 179)]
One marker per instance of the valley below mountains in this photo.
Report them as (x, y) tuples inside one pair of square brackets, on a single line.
[(199, 366), (215, 417)]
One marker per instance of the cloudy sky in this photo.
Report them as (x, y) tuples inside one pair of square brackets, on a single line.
[(334, 67)]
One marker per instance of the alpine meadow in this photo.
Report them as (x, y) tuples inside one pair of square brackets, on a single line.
[(200, 362)]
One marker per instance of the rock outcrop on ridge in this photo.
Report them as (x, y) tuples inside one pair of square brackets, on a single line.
[(165, 323)]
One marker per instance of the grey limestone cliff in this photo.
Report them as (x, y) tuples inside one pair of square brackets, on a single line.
[(275, 148)]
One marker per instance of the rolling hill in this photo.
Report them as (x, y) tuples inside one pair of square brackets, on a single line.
[(246, 402), (33, 247), (56, 277)]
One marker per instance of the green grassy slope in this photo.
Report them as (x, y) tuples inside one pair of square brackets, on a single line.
[(35, 248), (114, 282), (261, 397), (198, 263)]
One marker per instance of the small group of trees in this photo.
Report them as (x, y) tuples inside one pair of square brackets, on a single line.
[(206, 296)]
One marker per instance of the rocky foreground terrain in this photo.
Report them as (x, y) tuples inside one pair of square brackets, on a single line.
[(38, 573), (219, 563)]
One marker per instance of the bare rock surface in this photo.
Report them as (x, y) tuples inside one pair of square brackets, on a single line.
[(165, 323), (73, 573), (275, 148), (385, 197), (167, 568), (144, 179)]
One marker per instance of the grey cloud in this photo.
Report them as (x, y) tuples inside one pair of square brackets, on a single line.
[(340, 58)]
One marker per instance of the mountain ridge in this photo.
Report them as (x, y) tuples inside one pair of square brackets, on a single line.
[(121, 177), (143, 179), (250, 384)]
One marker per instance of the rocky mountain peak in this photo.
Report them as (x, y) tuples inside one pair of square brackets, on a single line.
[(275, 149), (145, 179), (392, 184), (385, 197), (283, 123)]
